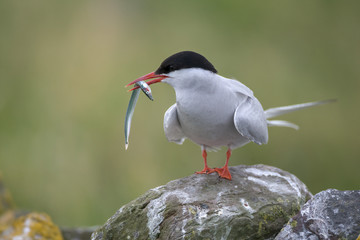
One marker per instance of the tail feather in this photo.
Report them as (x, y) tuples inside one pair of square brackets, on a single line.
[(281, 123), (273, 112)]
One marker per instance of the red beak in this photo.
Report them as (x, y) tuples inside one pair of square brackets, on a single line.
[(158, 78)]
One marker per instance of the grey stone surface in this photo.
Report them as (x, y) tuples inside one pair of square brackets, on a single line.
[(77, 233), (330, 214), (254, 205)]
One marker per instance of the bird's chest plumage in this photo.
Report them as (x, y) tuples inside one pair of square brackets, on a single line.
[(207, 118)]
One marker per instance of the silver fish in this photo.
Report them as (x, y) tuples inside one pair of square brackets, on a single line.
[(131, 107), (145, 88)]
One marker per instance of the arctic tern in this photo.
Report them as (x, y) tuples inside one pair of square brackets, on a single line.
[(213, 111)]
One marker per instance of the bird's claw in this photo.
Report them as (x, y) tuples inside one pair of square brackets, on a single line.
[(223, 172), (206, 170)]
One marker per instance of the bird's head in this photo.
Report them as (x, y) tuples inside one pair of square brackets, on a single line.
[(170, 67)]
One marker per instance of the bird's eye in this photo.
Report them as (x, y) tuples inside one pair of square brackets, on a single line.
[(170, 68)]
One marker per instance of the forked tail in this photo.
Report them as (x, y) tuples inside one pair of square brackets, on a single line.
[(273, 112)]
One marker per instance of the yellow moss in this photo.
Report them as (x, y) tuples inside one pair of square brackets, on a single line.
[(6, 220), (36, 225)]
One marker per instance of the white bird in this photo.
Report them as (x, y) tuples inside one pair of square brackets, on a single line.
[(211, 110)]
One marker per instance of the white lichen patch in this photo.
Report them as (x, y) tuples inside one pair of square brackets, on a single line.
[(201, 214), (121, 209), (227, 233), (247, 206), (26, 230), (274, 187), (227, 211), (157, 189), (156, 208), (219, 196), (184, 221), (271, 186), (219, 212)]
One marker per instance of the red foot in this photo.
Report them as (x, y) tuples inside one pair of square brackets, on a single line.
[(206, 170), (223, 172)]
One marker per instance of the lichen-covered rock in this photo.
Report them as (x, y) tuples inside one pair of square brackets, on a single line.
[(254, 205), (330, 214), (31, 226)]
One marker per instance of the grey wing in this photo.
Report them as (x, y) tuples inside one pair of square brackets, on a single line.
[(172, 127), (237, 86), (250, 120)]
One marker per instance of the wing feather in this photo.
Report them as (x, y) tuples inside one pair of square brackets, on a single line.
[(250, 121), (172, 127)]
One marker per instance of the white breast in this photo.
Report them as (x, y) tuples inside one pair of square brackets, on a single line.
[(207, 117)]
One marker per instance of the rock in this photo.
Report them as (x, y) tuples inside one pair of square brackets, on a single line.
[(77, 233), (30, 226), (330, 214), (17, 224), (254, 205)]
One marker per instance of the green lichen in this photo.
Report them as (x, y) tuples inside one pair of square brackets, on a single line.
[(295, 208), (261, 228), (274, 213), (192, 211), (269, 219), (293, 224)]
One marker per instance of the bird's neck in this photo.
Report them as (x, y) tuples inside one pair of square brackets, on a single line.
[(193, 81)]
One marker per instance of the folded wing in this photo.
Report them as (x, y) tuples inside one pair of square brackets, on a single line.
[(250, 120), (172, 127)]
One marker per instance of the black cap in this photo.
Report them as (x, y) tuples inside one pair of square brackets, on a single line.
[(185, 59)]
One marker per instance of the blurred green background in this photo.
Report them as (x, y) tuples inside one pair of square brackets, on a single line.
[(64, 64)]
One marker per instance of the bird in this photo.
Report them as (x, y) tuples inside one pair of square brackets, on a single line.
[(213, 111)]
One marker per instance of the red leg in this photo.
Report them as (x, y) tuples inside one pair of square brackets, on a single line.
[(206, 169), (224, 171)]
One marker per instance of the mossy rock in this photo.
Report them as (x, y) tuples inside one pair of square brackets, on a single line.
[(254, 205), (30, 226)]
